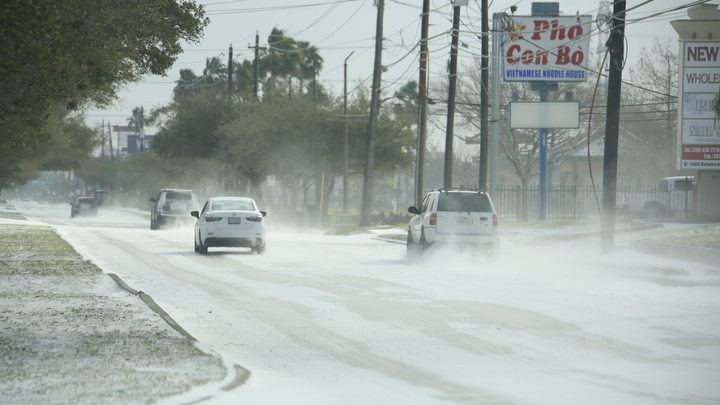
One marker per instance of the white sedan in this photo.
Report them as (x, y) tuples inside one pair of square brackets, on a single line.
[(229, 222)]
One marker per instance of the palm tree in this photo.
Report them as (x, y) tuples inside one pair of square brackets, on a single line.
[(186, 84), (281, 58), (215, 73), (310, 62)]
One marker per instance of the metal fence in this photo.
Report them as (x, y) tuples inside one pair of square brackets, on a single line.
[(514, 203)]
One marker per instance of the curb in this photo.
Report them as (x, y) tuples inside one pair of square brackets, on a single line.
[(154, 306), (241, 373), (710, 257)]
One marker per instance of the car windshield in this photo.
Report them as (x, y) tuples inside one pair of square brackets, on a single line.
[(233, 206), (464, 202), (179, 196)]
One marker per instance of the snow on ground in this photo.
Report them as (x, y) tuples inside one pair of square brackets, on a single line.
[(349, 320)]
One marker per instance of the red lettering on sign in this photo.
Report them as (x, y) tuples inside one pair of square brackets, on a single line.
[(511, 51), (556, 33), (702, 53), (527, 57), (563, 55), (540, 27), (575, 31)]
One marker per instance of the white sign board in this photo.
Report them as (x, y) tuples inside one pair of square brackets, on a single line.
[(700, 128), (546, 49), (544, 115)]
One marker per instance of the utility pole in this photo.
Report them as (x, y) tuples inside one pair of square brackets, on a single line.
[(102, 139), (449, 129), (141, 122), (110, 139), (346, 144), (230, 69), (498, 19), (367, 197), (612, 127), (422, 105), (256, 63), (483, 164)]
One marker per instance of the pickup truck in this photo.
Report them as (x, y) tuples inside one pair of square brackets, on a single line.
[(672, 197)]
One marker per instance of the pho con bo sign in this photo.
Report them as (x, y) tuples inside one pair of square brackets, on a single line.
[(546, 49), (700, 128)]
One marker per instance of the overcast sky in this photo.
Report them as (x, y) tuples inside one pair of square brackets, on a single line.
[(340, 27)]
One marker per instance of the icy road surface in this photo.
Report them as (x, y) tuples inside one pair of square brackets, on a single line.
[(348, 320)]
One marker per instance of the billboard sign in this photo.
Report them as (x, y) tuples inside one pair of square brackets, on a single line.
[(700, 128), (539, 115), (546, 49)]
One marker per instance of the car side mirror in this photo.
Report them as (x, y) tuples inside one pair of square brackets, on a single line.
[(153, 200), (263, 213), (196, 214), (413, 210)]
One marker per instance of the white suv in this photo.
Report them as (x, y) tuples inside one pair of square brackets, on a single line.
[(459, 217), (172, 205)]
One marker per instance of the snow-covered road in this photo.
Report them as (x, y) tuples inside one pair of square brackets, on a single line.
[(348, 320)]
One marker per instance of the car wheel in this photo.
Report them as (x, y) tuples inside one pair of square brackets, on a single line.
[(424, 244), (202, 249), (260, 249), (197, 247), (493, 252), (411, 245)]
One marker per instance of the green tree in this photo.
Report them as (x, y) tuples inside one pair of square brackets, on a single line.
[(67, 143), (75, 52), (191, 123), (280, 61), (407, 109), (309, 62)]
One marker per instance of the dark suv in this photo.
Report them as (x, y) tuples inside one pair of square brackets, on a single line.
[(458, 217), (172, 205), (83, 206)]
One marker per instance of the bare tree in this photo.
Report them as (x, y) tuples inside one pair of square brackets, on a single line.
[(650, 114)]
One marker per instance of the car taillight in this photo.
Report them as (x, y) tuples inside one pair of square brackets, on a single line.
[(495, 221), (433, 219), (209, 218), (255, 219)]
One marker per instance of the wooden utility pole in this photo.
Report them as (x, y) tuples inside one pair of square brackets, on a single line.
[(450, 128), (484, 104), (256, 63), (367, 197), (112, 156), (102, 139), (346, 146), (612, 127), (422, 105), (230, 69)]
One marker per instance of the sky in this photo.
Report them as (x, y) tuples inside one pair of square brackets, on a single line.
[(345, 29)]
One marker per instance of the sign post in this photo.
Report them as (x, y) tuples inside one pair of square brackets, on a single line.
[(545, 49), (698, 125), (700, 139)]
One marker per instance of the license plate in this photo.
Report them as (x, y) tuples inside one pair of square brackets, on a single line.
[(465, 221), (234, 221)]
